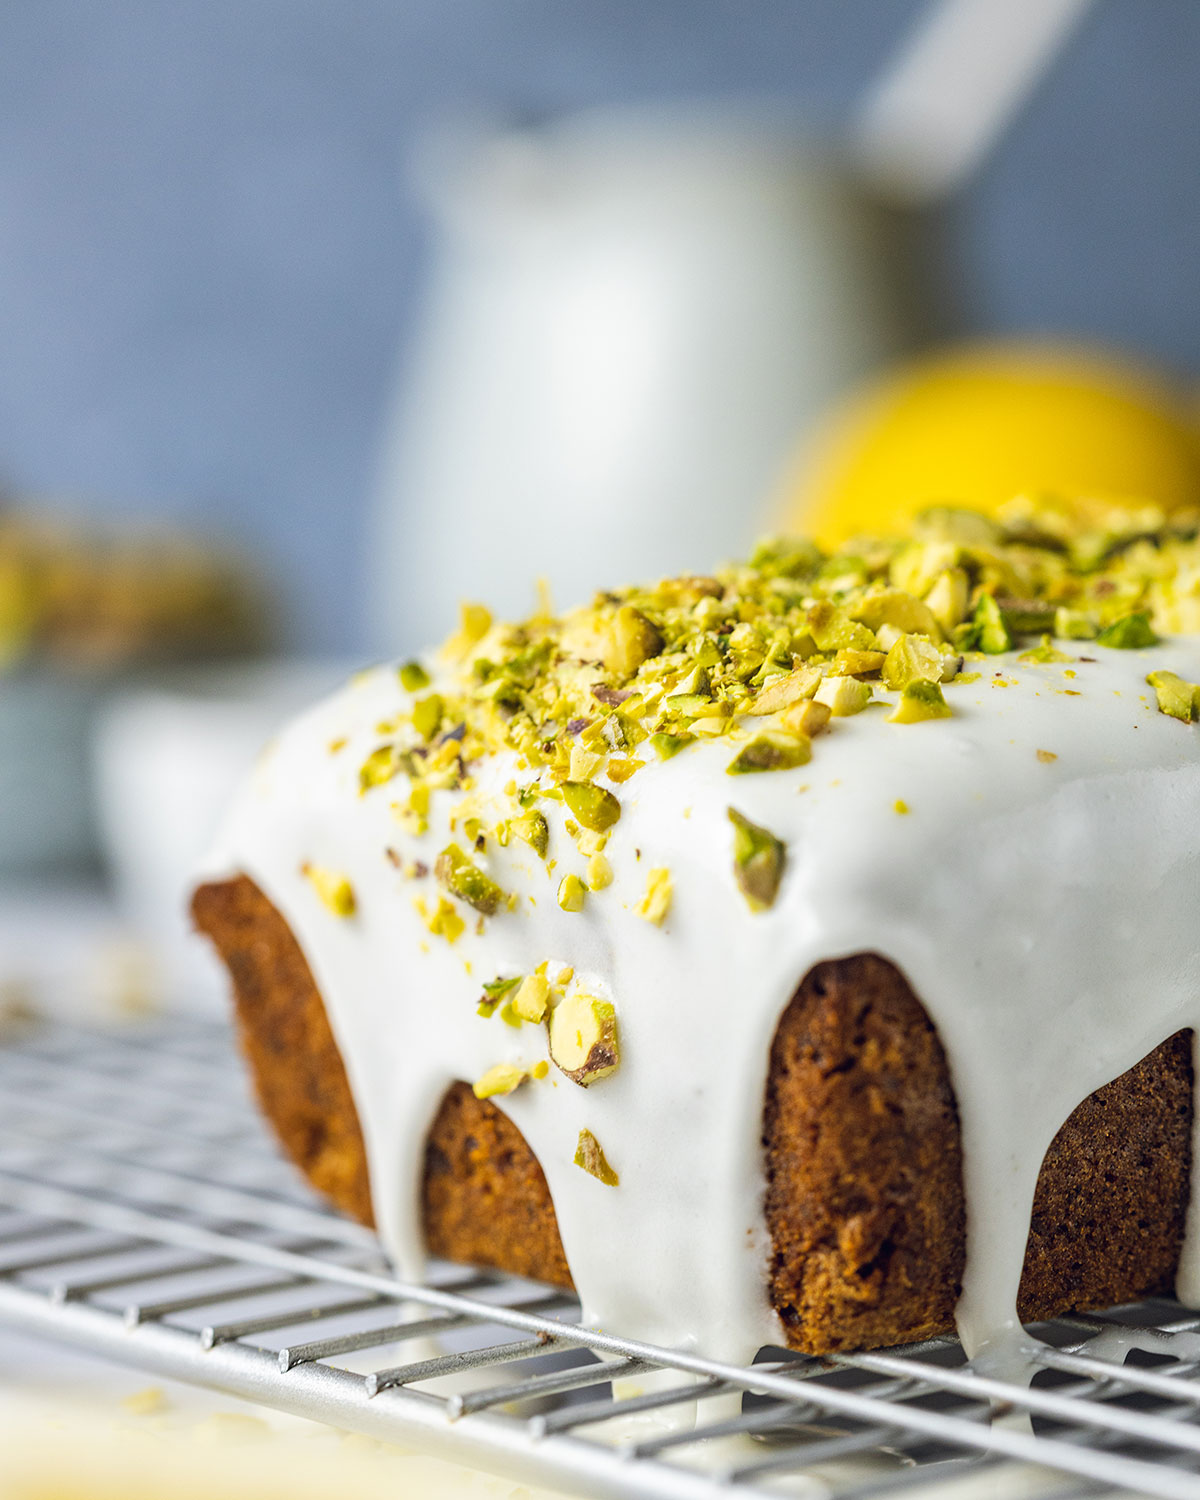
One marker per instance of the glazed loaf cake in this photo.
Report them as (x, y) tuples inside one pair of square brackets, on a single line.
[(576, 953), (860, 1138)]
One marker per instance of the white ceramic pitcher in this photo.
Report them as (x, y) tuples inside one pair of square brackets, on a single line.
[(632, 316)]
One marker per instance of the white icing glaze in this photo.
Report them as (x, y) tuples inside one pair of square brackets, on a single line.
[(1045, 913)]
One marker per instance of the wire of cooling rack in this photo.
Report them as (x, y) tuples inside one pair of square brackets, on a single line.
[(145, 1215)]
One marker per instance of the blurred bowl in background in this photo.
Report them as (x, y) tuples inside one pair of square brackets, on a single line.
[(168, 760)]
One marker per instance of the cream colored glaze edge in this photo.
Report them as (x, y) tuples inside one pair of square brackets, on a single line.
[(1043, 910)]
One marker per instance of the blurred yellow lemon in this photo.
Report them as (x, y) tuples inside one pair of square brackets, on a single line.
[(981, 423)]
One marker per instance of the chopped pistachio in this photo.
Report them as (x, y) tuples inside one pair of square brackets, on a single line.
[(1130, 633), (1175, 696), (583, 1038), (501, 1078), (1047, 757), (992, 633), (443, 921), (585, 763), (594, 807), (807, 717), (334, 890), (947, 599), (667, 745), (913, 658), (600, 874), (1074, 624), (900, 806), (427, 715), (656, 903), (844, 696), (788, 688), (532, 998), (832, 628), (851, 663), (771, 751), (495, 992), (532, 829), (632, 640), (689, 705), (571, 893), (897, 608), (920, 700), (467, 881), (379, 767), (590, 1156), (758, 861), (620, 770), (1045, 653), (413, 677)]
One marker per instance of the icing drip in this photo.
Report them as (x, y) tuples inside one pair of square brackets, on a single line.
[(1043, 910)]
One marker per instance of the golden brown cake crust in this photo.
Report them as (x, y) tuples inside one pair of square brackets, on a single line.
[(861, 1147)]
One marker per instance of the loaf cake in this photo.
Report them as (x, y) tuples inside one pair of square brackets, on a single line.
[(803, 954)]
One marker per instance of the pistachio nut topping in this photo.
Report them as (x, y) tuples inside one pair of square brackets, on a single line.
[(583, 1037), (1175, 696), (656, 903), (590, 1156), (571, 893), (413, 677), (531, 999), (771, 751), (919, 701), (766, 653), (467, 881), (334, 890), (503, 1078), (758, 860)]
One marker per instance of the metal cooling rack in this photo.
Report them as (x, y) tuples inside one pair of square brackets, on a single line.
[(145, 1215)]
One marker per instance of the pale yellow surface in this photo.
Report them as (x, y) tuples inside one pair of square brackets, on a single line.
[(154, 1446), (981, 423)]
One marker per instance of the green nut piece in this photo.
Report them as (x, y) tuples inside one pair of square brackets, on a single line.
[(502, 1078), (782, 691), (919, 701), (771, 752), (532, 829), (1047, 653), (1074, 624), (758, 861), (632, 639), (532, 999), (844, 696), (583, 1038), (590, 1156), (667, 745), (467, 881), (1175, 697), (427, 715), (1130, 633), (992, 633), (832, 629), (495, 991), (333, 888), (380, 766), (591, 805), (413, 677), (913, 658), (571, 893)]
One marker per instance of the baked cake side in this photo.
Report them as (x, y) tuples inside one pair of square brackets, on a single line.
[(860, 1137)]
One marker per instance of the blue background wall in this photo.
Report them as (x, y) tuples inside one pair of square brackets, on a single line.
[(209, 258)]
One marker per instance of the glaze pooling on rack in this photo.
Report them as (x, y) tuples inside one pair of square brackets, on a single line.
[(1043, 910)]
